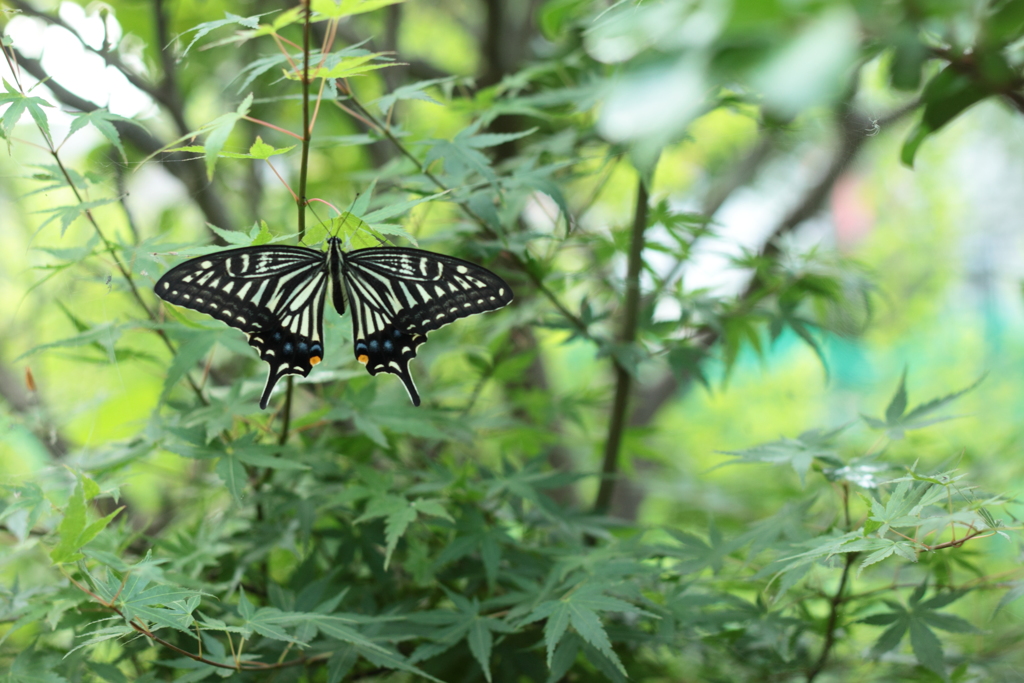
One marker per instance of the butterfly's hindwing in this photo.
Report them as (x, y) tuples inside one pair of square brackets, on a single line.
[(273, 294), (397, 295)]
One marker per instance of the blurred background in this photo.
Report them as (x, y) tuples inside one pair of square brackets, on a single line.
[(782, 127), (940, 243)]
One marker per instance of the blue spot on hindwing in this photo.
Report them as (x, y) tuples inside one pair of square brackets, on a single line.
[(397, 334), (388, 346), (288, 348), (303, 347), (374, 346)]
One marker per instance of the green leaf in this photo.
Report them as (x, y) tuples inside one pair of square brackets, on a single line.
[(103, 121), (245, 607), (927, 647), (232, 472), (163, 605), (261, 150), (68, 214), (32, 667), (267, 456), (341, 662), (206, 27), (348, 67), (18, 105), (557, 623), (262, 235), (890, 638), (579, 608), (398, 209), (460, 154), (798, 453), (1011, 595), (480, 641), (588, 625), (898, 404), (73, 530), (398, 514), (336, 9), (185, 359), (946, 95), (218, 131), (233, 237), (411, 91), (555, 15), (898, 419)]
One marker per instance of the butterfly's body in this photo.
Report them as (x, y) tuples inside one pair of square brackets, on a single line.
[(276, 294)]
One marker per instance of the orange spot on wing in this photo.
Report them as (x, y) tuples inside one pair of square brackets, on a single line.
[(363, 358), (314, 360)]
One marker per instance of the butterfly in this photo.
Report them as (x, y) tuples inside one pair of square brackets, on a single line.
[(276, 294)]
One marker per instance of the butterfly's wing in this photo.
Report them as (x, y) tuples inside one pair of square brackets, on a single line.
[(275, 294), (397, 295)]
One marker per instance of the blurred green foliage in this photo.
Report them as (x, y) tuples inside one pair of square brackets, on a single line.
[(736, 425)]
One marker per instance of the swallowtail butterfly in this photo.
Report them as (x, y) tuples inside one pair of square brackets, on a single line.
[(275, 294)]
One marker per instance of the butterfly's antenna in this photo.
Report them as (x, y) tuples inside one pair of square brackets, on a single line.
[(348, 212), (321, 220)]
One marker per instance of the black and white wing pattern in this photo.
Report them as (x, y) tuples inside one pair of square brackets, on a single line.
[(397, 295), (275, 294)]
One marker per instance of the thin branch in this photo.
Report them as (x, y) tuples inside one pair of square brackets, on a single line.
[(833, 619), (286, 415), (627, 337), (108, 245), (306, 135), (191, 172)]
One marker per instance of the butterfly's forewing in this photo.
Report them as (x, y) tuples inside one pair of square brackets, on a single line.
[(273, 294), (397, 295)]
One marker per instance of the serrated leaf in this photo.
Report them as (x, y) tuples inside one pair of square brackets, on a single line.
[(18, 104), (948, 622), (31, 667), (398, 208), (245, 607), (927, 647), (348, 67), (205, 28), (68, 214), (890, 638), (1010, 595), (261, 150), (185, 359), (898, 404), (231, 471), (218, 131), (588, 625), (103, 121), (411, 91), (557, 623), (340, 663), (262, 234), (73, 530), (480, 641)]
